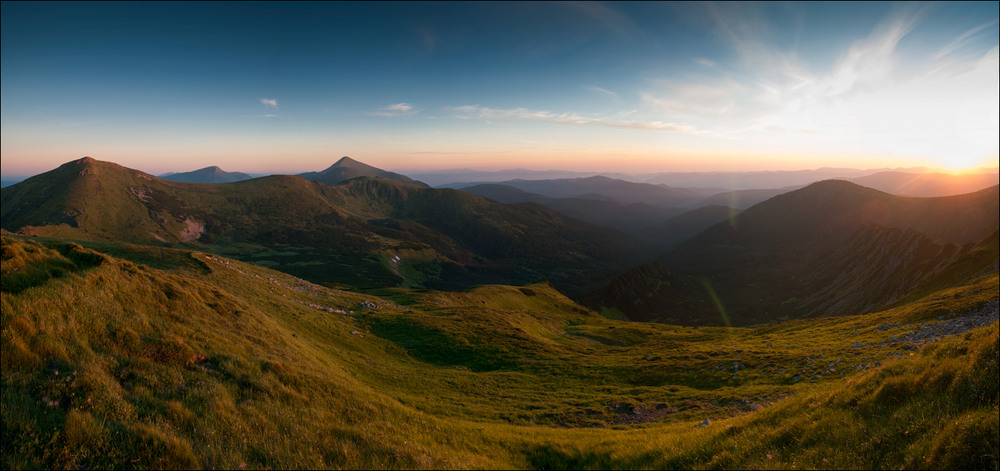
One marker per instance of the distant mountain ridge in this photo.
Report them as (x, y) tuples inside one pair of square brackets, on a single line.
[(596, 209), (927, 184), (722, 180), (897, 183), (347, 168), (780, 258), (212, 174), (619, 190)]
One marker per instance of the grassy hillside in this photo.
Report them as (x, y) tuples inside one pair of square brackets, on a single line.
[(367, 232), (802, 253), (163, 358)]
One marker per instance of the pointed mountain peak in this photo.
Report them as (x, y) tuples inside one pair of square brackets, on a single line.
[(346, 161), (347, 168)]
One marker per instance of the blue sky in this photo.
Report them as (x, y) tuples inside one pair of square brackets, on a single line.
[(289, 87)]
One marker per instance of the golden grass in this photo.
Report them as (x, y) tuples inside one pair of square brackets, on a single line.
[(214, 363)]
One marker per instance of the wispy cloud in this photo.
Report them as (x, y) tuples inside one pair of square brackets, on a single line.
[(269, 116), (871, 98), (524, 114), (394, 110), (607, 16), (869, 63), (271, 102), (596, 89), (768, 80), (704, 62), (962, 40)]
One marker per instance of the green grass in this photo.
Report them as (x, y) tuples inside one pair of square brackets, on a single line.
[(120, 356)]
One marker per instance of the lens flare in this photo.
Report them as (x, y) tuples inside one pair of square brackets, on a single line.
[(717, 302)]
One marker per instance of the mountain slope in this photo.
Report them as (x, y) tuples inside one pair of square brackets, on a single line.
[(982, 259), (175, 359), (743, 199), (768, 262), (212, 174), (366, 231), (677, 229), (347, 168)]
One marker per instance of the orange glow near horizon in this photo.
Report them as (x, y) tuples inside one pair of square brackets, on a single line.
[(263, 161)]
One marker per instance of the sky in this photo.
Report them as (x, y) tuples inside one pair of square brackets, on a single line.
[(628, 87)]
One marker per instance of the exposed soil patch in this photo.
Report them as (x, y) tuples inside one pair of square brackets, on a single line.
[(192, 230)]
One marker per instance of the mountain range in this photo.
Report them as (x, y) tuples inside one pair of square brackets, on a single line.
[(805, 253), (279, 322), (794, 255), (590, 207), (370, 231)]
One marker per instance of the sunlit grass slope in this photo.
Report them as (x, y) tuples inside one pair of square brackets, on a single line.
[(132, 357)]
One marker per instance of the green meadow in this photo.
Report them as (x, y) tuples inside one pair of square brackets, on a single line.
[(119, 356)]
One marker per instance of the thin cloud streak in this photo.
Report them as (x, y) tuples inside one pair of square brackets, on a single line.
[(596, 89), (962, 40), (609, 17), (269, 102), (395, 110), (574, 119)]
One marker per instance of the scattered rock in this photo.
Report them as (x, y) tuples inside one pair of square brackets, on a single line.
[(926, 332), (704, 423)]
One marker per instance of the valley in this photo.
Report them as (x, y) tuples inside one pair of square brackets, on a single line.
[(380, 323)]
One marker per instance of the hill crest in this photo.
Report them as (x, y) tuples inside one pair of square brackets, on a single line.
[(347, 168), (212, 174)]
